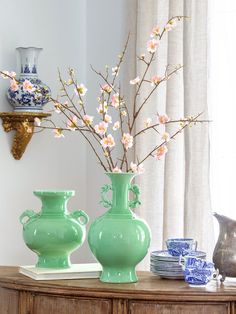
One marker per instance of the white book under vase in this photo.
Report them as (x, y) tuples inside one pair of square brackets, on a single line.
[(76, 271)]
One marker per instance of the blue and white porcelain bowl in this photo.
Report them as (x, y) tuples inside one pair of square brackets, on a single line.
[(197, 271), (181, 246)]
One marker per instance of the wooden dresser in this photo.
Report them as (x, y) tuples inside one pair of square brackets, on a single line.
[(151, 295)]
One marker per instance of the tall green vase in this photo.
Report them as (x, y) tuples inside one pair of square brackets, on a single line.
[(53, 233), (119, 239)]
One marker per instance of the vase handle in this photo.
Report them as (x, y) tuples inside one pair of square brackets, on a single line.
[(105, 201), (78, 214), (136, 201), (27, 214)]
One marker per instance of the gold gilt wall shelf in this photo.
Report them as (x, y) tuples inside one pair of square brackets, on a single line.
[(23, 124)]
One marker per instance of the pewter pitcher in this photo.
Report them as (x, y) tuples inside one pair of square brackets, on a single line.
[(224, 255)]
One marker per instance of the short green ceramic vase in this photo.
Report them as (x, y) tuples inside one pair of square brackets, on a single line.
[(119, 239), (53, 233)]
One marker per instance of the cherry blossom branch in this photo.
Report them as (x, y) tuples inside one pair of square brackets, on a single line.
[(148, 64), (104, 78), (191, 120), (150, 94), (121, 58), (168, 122), (98, 134), (107, 153)]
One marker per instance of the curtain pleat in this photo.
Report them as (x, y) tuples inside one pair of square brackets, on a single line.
[(175, 190)]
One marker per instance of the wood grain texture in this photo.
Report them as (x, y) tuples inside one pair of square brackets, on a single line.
[(119, 306), (149, 287), (58, 305), (151, 295), (167, 308), (26, 303), (8, 301)]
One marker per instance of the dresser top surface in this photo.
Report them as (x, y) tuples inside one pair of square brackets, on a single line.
[(149, 286)]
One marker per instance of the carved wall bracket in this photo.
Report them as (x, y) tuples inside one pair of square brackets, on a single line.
[(23, 124)]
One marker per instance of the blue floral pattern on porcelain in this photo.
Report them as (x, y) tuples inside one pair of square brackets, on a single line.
[(29, 101), (181, 246), (196, 270), (195, 276), (23, 100)]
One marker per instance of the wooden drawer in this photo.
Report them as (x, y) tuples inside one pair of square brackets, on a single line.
[(178, 308), (59, 305)]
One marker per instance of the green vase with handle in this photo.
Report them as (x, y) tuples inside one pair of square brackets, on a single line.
[(119, 239), (53, 233)]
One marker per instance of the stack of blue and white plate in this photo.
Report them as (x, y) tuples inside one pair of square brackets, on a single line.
[(167, 266)]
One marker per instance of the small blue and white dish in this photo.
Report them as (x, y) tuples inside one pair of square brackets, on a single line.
[(197, 271), (181, 246)]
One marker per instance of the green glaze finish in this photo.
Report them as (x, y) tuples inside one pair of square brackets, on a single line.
[(119, 239), (53, 233)]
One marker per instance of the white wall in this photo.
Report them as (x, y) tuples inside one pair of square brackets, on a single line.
[(73, 33)]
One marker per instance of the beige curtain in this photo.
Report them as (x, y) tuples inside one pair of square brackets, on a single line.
[(175, 191)]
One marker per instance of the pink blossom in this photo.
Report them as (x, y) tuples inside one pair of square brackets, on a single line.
[(106, 88), (58, 107), (161, 151), (147, 122), (107, 118), (127, 140), (116, 125), (101, 128), (115, 100), (163, 118), (103, 107), (6, 75), (165, 136), (87, 120), (37, 121), (152, 45), (133, 167), (13, 85), (142, 56), (108, 141), (28, 86), (155, 31), (69, 82), (135, 80), (115, 70), (80, 90), (12, 74), (155, 80), (124, 113), (137, 168), (116, 170), (72, 124), (172, 24), (58, 133), (141, 169)]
